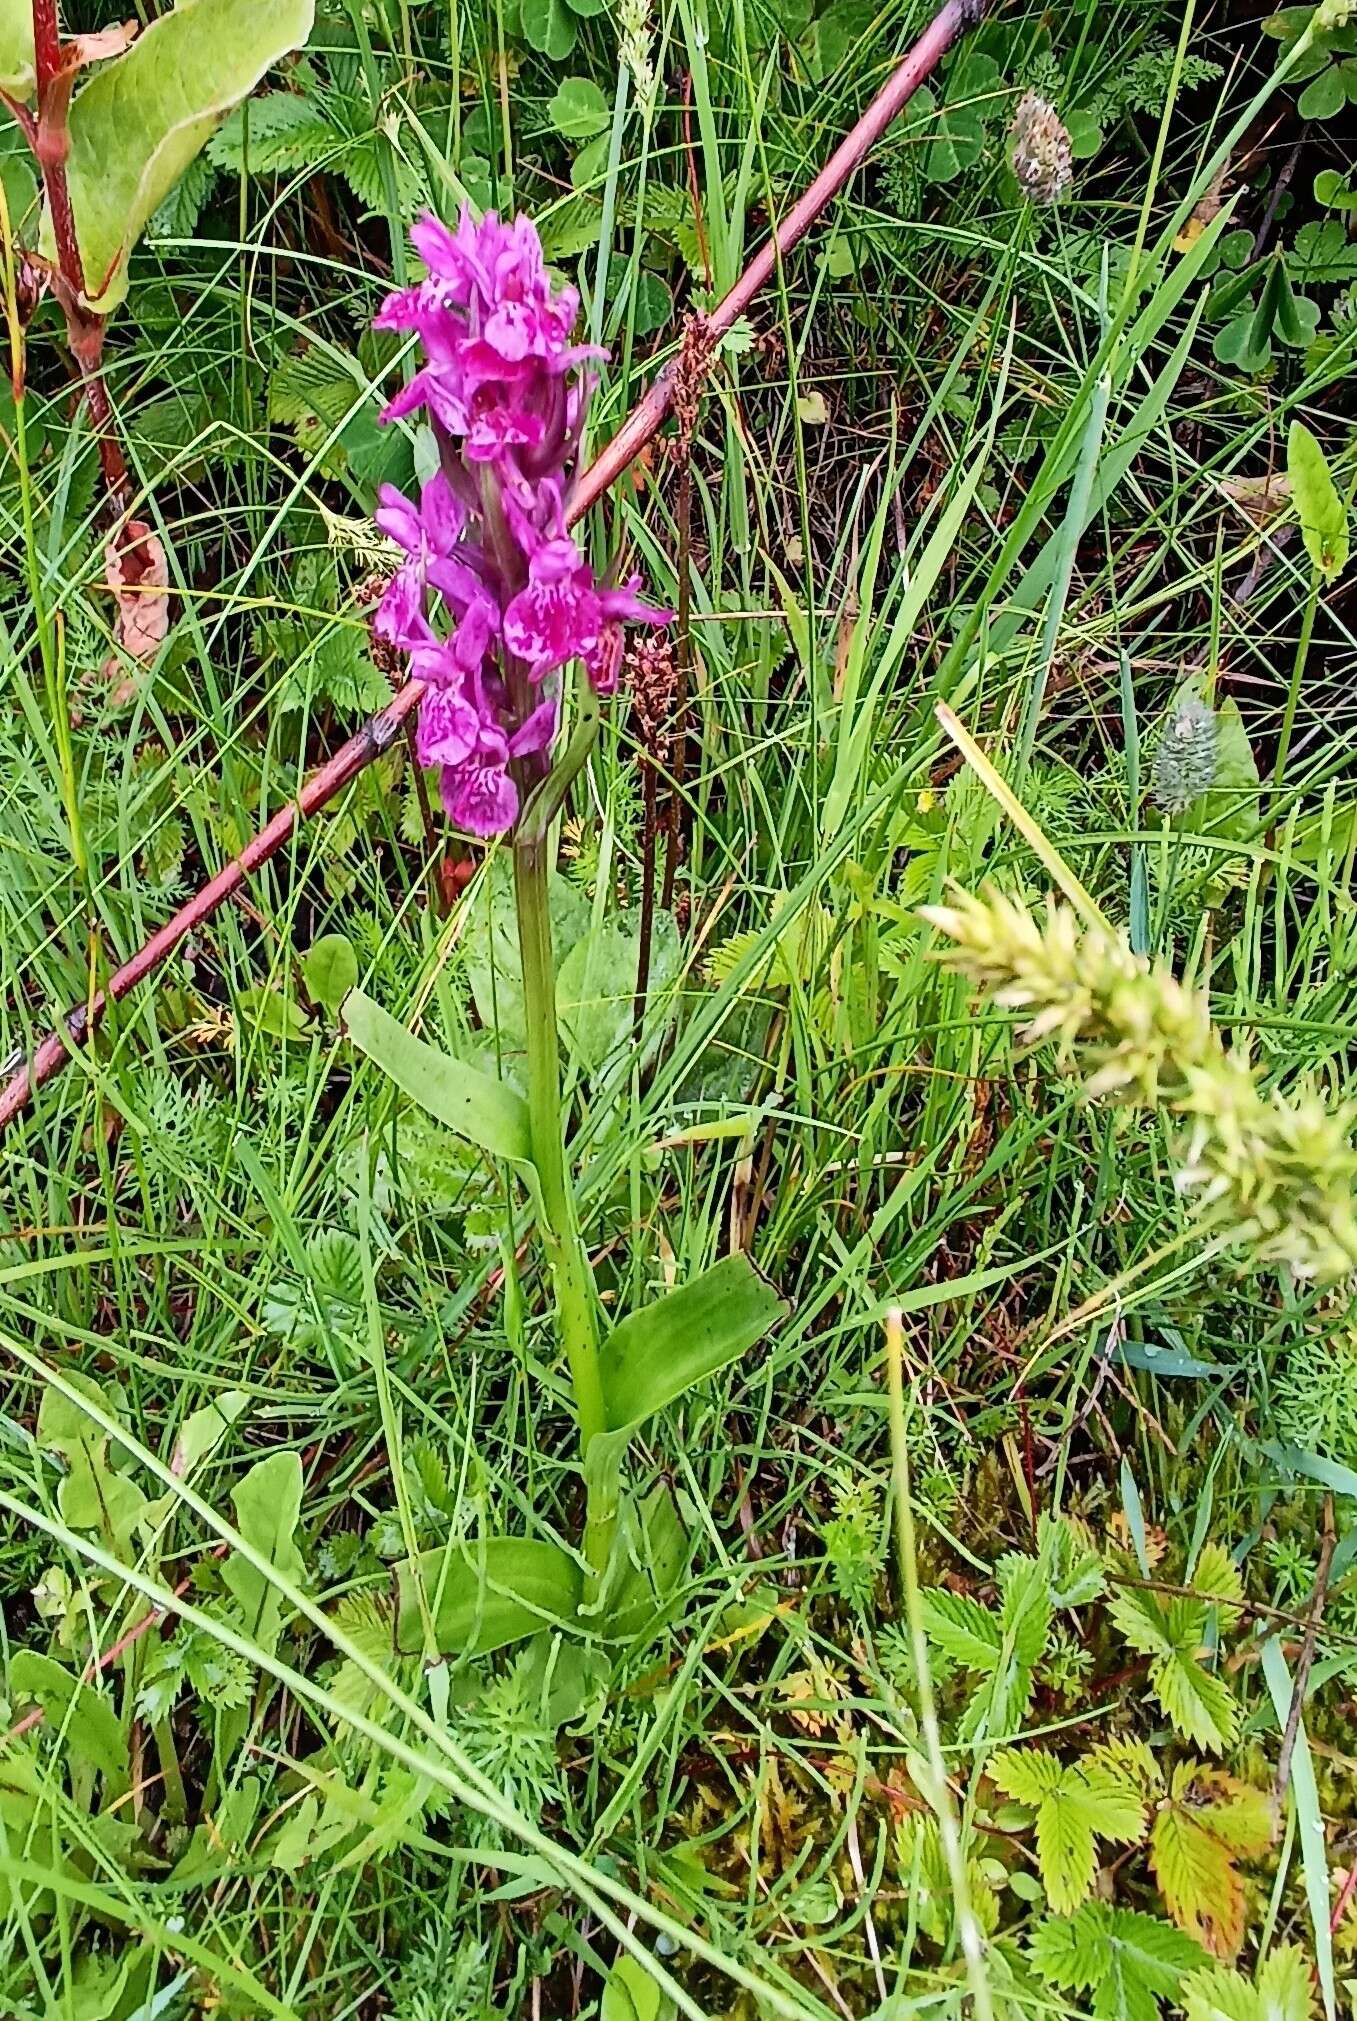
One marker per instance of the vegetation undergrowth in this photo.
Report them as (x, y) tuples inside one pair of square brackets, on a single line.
[(731, 1390)]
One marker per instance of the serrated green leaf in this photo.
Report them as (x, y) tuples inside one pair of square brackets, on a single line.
[(1283, 1992), (1128, 1960), (1140, 1619), (1207, 1822), (1323, 517), (1075, 1804), (141, 119), (962, 1628), (1216, 1576), (654, 1355), (1025, 1612), (1074, 1571), (1200, 1704)]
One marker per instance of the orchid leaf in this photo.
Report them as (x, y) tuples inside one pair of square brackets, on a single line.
[(480, 1595), (481, 1109), (141, 119), (656, 1354)]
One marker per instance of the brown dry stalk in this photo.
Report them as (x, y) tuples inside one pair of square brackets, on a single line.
[(56, 1050)]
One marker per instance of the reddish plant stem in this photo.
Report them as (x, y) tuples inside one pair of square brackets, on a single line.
[(84, 328), (56, 1050), (683, 661)]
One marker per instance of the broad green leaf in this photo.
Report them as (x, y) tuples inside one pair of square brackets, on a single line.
[(263, 1009), (1126, 1959), (596, 984), (83, 1715), (654, 1355), (578, 109), (490, 946), (1323, 517), (484, 1594), (631, 1994), (203, 1430), (652, 1551), (549, 26), (962, 1628), (330, 970), (16, 48), (140, 120), (484, 1111), (267, 1503), (93, 1494)]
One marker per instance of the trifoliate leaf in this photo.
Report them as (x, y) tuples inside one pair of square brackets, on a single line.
[(1284, 1991), (1076, 1804), (578, 109)]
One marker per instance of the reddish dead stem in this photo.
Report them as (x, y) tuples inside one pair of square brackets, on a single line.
[(56, 1050)]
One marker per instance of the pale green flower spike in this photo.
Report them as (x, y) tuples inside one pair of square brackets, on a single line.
[(1272, 1172)]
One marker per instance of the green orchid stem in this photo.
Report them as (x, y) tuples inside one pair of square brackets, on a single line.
[(1293, 693), (572, 1280)]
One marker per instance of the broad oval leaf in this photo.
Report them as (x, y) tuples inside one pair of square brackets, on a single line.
[(483, 1594), (1323, 516), (330, 969), (654, 1355), (139, 122), (484, 1111)]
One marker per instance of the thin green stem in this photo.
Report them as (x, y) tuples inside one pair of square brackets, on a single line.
[(1293, 692), (939, 1794), (571, 1275)]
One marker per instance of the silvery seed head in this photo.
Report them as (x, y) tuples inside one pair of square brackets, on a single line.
[(1185, 760)]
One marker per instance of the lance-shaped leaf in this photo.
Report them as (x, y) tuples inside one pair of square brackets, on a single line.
[(84, 1717), (139, 122), (654, 1355), (479, 1595), (481, 1109)]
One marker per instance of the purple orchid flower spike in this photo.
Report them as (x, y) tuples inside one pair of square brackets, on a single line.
[(493, 598)]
